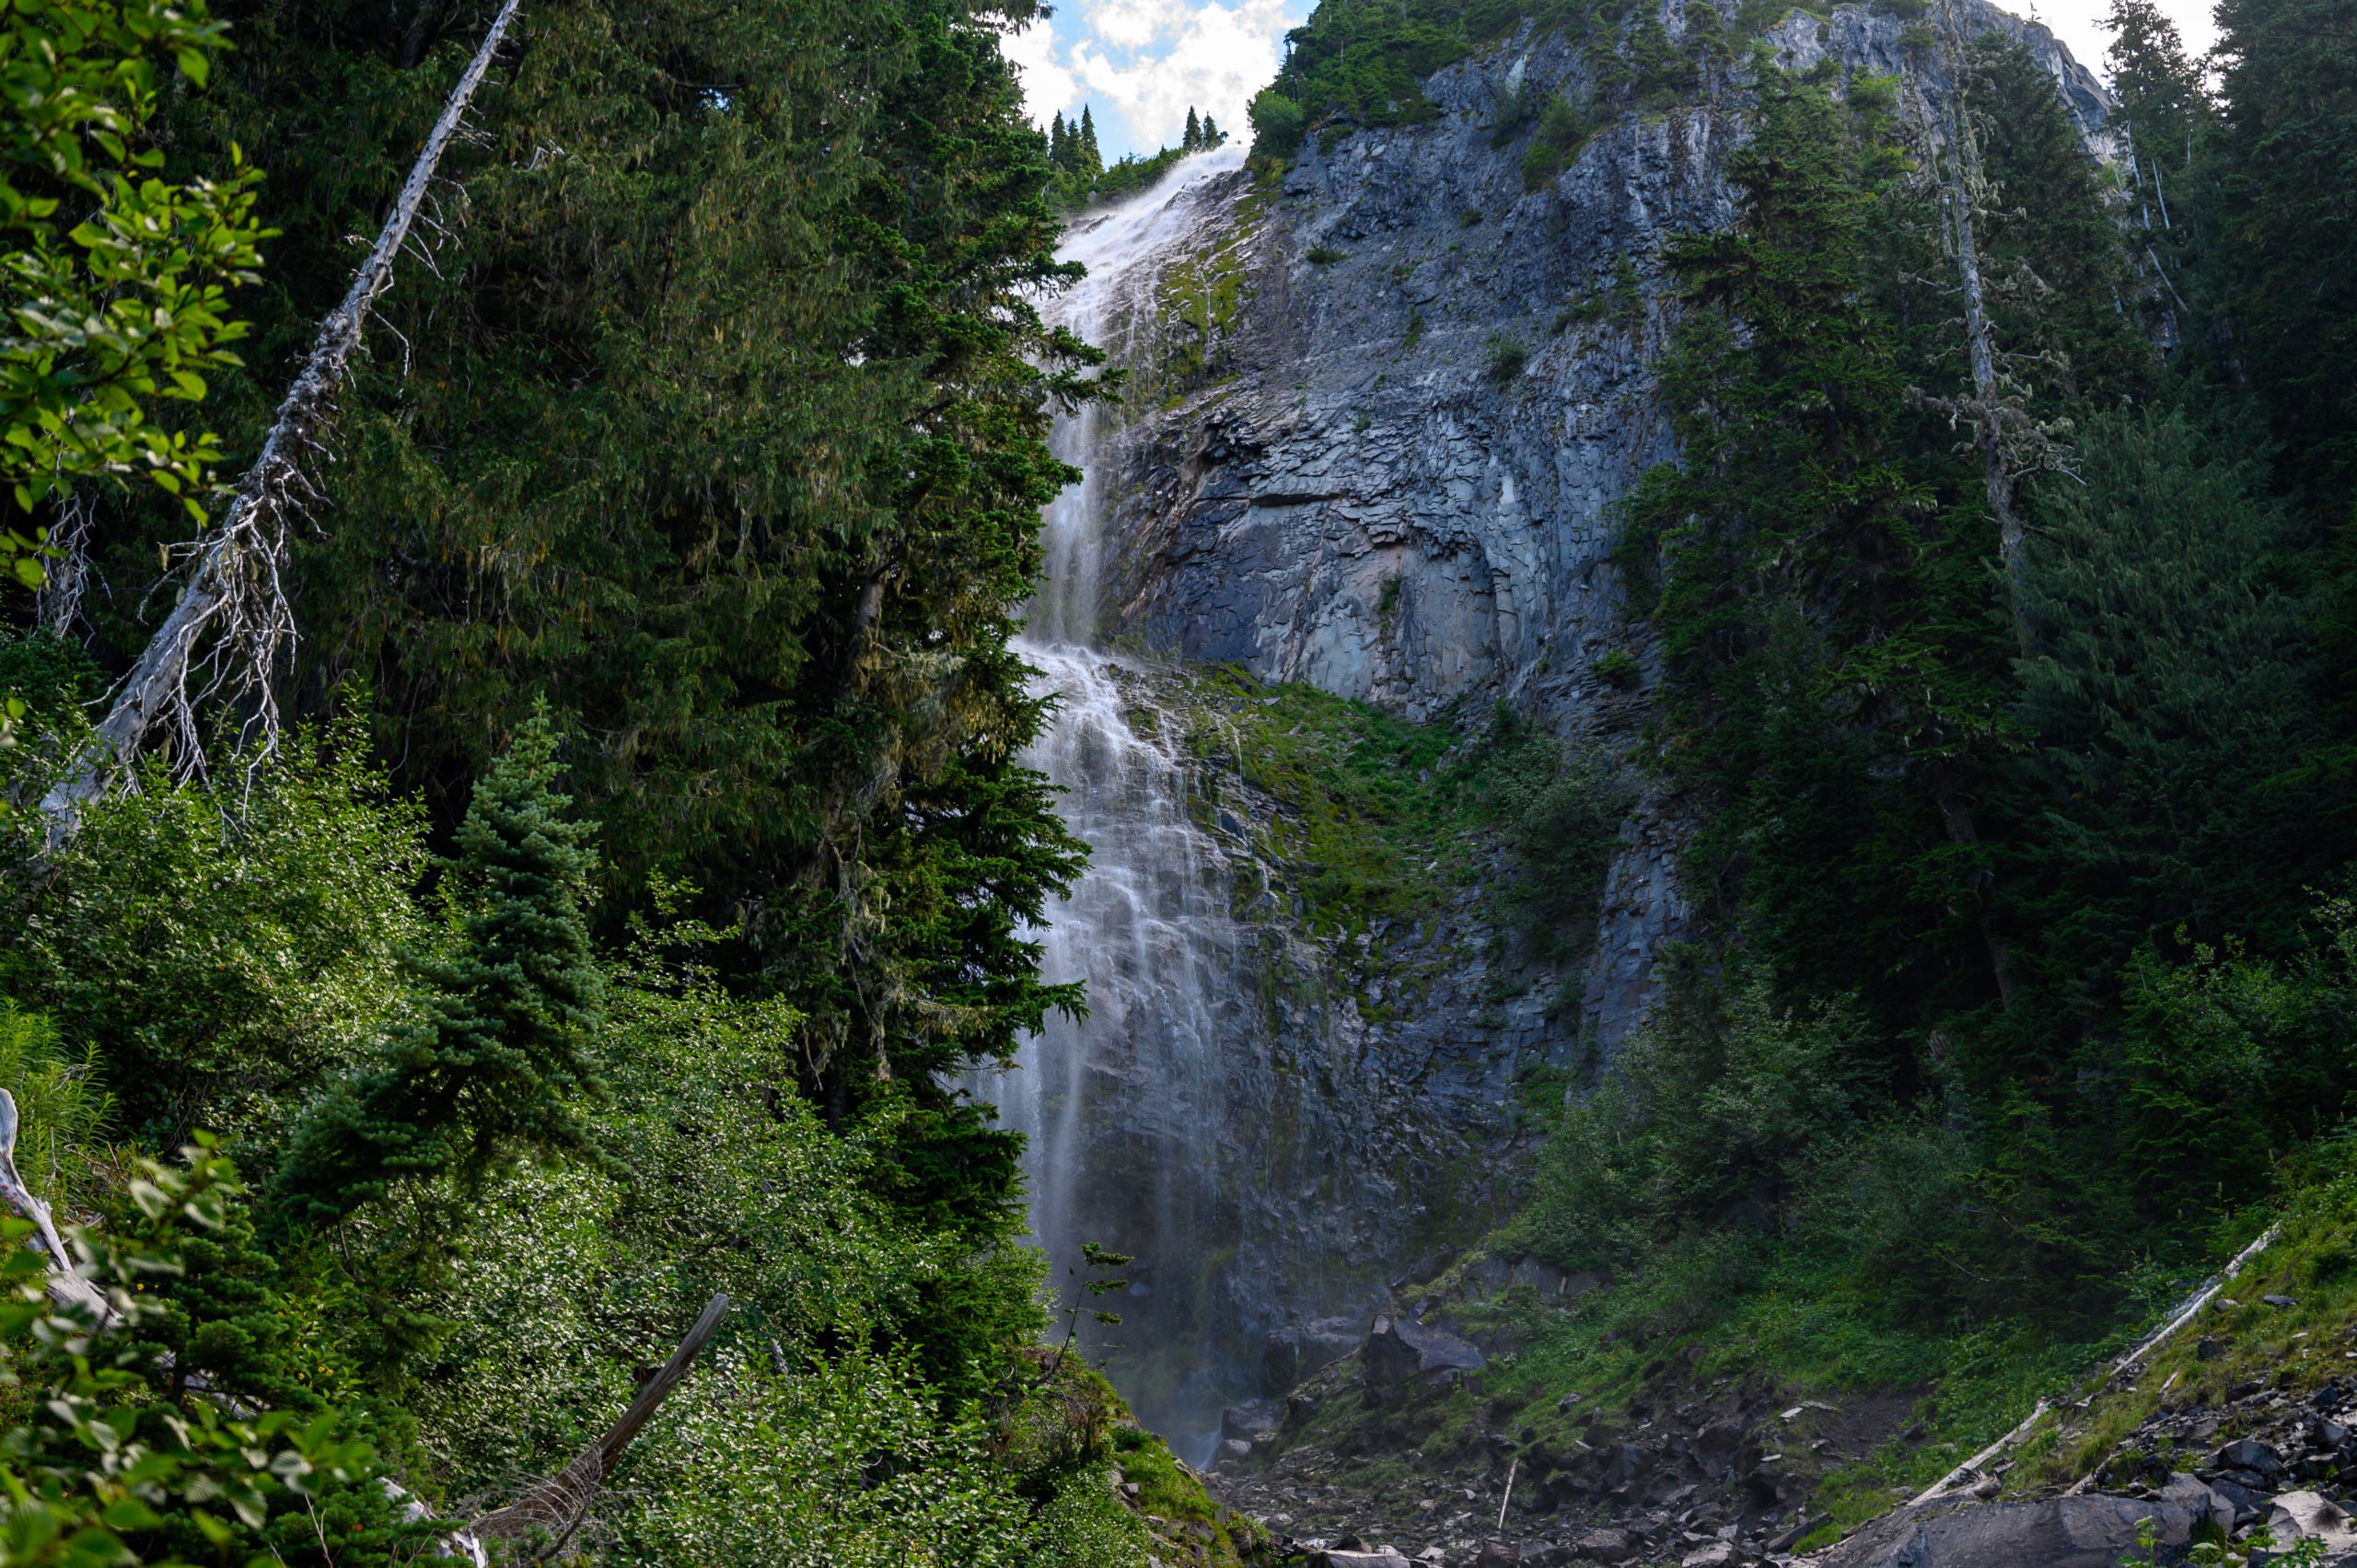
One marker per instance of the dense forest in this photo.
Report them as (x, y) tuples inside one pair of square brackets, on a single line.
[(571, 877), (2001, 599)]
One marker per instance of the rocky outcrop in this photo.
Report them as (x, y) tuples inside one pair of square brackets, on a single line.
[(1381, 414)]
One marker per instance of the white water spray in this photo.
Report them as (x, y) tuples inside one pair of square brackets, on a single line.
[(1147, 928)]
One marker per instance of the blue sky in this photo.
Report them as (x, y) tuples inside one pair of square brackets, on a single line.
[(1140, 63)]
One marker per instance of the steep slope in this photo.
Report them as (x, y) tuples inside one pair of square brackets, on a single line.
[(1382, 406)]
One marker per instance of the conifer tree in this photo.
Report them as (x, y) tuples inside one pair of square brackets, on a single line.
[(2289, 139), (1212, 135), (2161, 98), (492, 1060), (2170, 686), (1194, 136), (1087, 161), (1058, 143)]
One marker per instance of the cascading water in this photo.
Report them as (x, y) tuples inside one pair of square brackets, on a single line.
[(1148, 927)]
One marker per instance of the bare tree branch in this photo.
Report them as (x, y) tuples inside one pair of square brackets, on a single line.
[(559, 1506), (235, 585)]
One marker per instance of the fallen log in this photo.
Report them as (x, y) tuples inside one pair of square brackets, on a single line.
[(557, 1507)]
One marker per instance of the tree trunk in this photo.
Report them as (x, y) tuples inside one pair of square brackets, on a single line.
[(237, 576), (559, 1506), (1964, 185)]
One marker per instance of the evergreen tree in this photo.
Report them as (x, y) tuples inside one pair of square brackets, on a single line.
[(1831, 688), (2058, 277), (1058, 143), (756, 501), (1089, 161), (494, 1058), (2162, 103), (2288, 142), (2171, 684), (1212, 135), (1194, 136)]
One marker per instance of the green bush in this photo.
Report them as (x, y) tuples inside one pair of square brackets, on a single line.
[(1277, 126), (1563, 128), (224, 944)]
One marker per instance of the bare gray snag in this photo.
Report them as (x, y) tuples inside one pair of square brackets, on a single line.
[(66, 1286), (234, 586), (559, 1506), (1986, 408)]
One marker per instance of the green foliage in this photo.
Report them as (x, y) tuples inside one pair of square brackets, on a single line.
[(1714, 1111), (222, 946), (2287, 152), (1507, 358), (1277, 127), (2055, 271), (117, 278), (494, 1058), (1383, 819), (1829, 671), (61, 1108), (2228, 1062), (1559, 811), (1563, 130), (106, 1468), (2172, 681)]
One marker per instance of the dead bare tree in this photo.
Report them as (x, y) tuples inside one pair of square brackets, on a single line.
[(1966, 189), (57, 603), (557, 1507), (67, 1286), (231, 619)]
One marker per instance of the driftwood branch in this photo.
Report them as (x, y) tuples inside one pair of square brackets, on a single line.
[(66, 1286), (557, 1507), (2185, 1314), (235, 584)]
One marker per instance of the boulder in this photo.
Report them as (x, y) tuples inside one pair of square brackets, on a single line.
[(2308, 1515), (1718, 1555), (1497, 1554), (1399, 1353), (1603, 1545), (2244, 1454), (2092, 1530), (1335, 1558), (2194, 1495), (1719, 1440)]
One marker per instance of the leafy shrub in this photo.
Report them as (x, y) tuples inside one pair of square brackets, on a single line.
[(1563, 128), (1277, 126), (1507, 359), (1713, 1111), (1559, 812), (223, 944), (1324, 255)]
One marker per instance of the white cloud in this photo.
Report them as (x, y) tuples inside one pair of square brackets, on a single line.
[(1048, 89), (2080, 25), (1141, 64)]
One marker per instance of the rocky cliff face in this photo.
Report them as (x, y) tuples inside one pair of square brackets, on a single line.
[(1381, 414), (1400, 395)]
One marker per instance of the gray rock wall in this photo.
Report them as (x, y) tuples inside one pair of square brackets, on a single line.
[(1391, 471)]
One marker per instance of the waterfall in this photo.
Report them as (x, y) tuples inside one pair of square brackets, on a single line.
[(1124, 1109)]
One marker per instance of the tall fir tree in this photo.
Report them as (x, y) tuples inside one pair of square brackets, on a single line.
[(1194, 136), (496, 1057)]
